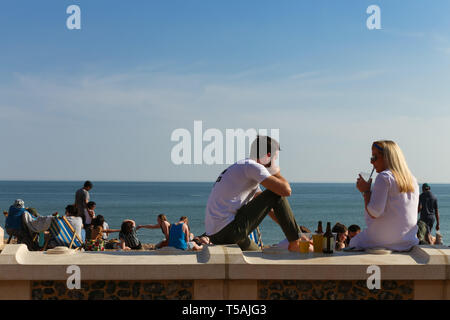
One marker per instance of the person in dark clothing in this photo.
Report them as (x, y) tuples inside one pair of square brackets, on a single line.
[(82, 198), (128, 237), (428, 207)]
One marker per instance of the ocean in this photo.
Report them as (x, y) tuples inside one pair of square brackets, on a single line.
[(143, 201)]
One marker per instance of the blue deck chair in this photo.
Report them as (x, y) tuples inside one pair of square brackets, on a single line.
[(64, 234), (255, 235)]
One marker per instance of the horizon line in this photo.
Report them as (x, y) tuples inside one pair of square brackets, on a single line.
[(180, 181)]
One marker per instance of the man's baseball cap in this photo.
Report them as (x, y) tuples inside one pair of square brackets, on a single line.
[(426, 186)]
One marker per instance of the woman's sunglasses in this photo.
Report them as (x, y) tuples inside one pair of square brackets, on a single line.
[(373, 158)]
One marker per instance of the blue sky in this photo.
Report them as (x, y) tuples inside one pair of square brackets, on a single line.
[(100, 103)]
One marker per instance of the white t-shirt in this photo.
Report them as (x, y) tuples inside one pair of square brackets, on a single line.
[(395, 226), (234, 188), (77, 224), (105, 227)]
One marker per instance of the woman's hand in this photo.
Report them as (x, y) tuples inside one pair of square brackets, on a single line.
[(363, 185)]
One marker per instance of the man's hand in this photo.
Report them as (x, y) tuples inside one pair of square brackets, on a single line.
[(437, 227)]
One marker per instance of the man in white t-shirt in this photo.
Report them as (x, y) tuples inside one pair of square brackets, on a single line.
[(236, 205)]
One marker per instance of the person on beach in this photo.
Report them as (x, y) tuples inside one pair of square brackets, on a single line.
[(391, 204), (353, 230), (105, 227), (201, 240), (341, 235), (428, 207), (13, 221), (75, 221), (128, 237), (73, 218), (162, 224), (180, 236), (81, 200), (90, 215), (236, 204), (423, 233), (95, 242)]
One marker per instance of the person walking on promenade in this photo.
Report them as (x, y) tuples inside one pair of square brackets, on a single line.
[(428, 207), (236, 204)]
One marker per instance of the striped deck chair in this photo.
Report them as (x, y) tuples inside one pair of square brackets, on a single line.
[(64, 234), (255, 235)]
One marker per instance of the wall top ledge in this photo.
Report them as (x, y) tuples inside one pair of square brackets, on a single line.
[(223, 262)]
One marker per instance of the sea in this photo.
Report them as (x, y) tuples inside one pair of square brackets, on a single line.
[(143, 201)]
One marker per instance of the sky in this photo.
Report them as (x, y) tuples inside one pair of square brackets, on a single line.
[(101, 103)]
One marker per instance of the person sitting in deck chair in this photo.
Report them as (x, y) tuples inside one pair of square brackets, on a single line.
[(66, 230)]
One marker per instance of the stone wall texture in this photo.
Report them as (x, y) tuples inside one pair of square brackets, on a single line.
[(114, 290), (334, 290)]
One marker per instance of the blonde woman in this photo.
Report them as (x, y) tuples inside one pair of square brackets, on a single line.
[(391, 204)]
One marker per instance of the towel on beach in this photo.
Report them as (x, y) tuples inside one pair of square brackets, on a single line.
[(37, 224)]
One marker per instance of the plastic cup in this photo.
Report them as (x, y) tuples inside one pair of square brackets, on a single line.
[(304, 242), (318, 242), (365, 176)]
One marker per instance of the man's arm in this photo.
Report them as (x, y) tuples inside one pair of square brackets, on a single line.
[(186, 232), (277, 184), (437, 220), (148, 226), (437, 215)]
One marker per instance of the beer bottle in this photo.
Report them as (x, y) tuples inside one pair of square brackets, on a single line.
[(318, 239), (328, 240), (319, 228)]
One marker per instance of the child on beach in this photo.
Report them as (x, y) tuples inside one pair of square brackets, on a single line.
[(89, 216), (128, 237), (96, 242), (162, 224)]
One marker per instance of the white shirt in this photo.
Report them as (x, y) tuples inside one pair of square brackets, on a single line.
[(76, 223), (395, 226), (105, 227), (234, 188)]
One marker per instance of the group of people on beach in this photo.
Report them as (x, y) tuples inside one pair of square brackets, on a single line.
[(21, 221), (237, 205)]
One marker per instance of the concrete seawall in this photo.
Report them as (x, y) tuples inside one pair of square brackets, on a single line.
[(224, 272)]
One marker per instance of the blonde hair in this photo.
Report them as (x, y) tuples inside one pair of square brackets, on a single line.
[(396, 162), (162, 217)]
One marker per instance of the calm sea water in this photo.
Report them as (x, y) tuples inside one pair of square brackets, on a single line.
[(143, 201)]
